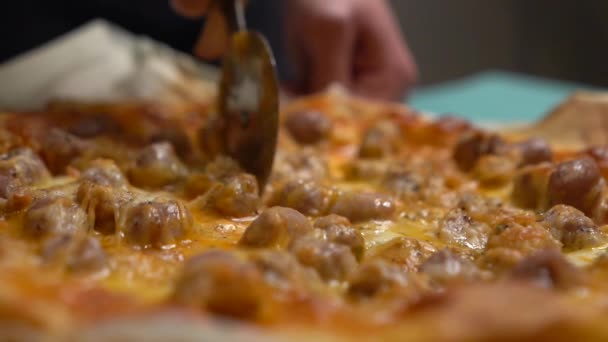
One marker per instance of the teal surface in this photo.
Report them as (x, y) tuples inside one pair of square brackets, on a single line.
[(494, 97)]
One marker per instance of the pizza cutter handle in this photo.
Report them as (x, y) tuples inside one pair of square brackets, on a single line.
[(234, 12)]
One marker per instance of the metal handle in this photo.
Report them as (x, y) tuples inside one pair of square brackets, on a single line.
[(234, 12)]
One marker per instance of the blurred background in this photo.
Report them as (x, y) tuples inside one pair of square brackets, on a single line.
[(504, 60), (559, 39), (500, 59)]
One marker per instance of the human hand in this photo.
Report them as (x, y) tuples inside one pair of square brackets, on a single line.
[(353, 42), (356, 43), (215, 37)]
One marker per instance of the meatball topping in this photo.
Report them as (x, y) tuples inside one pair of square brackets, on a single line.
[(534, 151), (221, 283), (156, 166), (306, 196), (104, 172), (446, 267), (337, 229), (376, 278), (59, 148), (308, 127), (574, 229), (364, 206), (49, 216), (474, 145), (530, 186), (548, 269), (237, 196), (24, 165), (75, 254), (276, 227), (332, 261), (576, 183), (158, 224)]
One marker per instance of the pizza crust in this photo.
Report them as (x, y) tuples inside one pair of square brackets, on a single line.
[(578, 122)]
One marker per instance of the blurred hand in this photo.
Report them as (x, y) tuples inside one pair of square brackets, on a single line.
[(356, 43), (215, 37)]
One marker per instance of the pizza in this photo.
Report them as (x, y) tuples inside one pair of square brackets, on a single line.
[(377, 223)]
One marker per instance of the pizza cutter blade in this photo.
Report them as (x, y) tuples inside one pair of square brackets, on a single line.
[(249, 99)]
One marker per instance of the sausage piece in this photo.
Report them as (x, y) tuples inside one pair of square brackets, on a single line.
[(24, 165), (75, 254), (332, 261), (445, 267), (222, 168), (577, 183), (364, 206), (221, 283), (338, 229), (50, 216), (304, 165), (308, 127), (534, 151), (59, 148), (375, 278), (276, 227), (574, 229), (156, 166), (548, 269), (500, 260), (525, 239), (530, 187), (157, 224), (306, 196), (281, 270), (494, 170), (104, 172), (473, 145), (237, 196)]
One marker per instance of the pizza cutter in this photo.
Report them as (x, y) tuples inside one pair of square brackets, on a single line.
[(248, 97)]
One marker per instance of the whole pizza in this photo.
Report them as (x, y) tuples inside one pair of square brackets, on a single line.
[(119, 223)]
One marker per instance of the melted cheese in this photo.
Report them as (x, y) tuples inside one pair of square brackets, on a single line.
[(148, 275), (586, 256)]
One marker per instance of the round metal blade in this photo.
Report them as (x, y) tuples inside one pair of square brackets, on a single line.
[(249, 104)]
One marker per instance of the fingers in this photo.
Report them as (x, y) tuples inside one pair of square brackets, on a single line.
[(386, 75), (384, 66), (385, 85), (321, 39), (215, 38), (331, 58), (191, 8)]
